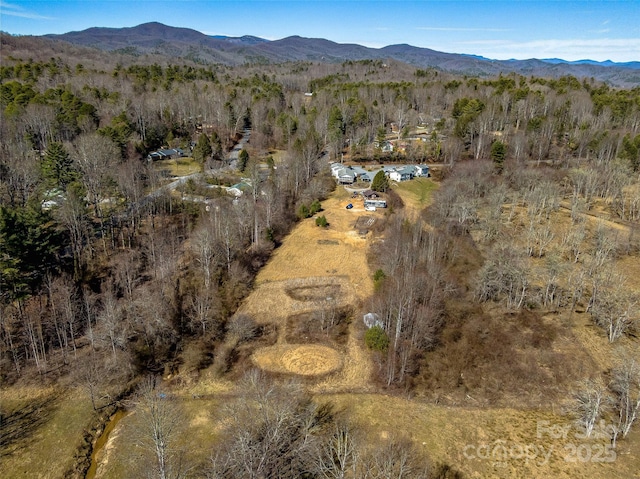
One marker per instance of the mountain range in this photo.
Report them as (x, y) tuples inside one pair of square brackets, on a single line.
[(161, 39)]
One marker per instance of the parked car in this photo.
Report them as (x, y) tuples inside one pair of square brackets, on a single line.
[(370, 208), (349, 206)]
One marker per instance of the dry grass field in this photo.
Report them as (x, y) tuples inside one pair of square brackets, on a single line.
[(48, 419), (303, 359), (493, 443), (317, 269)]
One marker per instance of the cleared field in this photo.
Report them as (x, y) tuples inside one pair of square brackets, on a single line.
[(316, 269), (273, 301), (416, 194), (312, 251), (178, 167), (37, 428), (304, 359)]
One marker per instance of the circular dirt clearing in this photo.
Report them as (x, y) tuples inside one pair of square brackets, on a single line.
[(304, 360), (311, 360)]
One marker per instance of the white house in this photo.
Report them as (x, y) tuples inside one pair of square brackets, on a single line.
[(346, 176), (421, 171), (386, 146), (402, 174), (335, 168)]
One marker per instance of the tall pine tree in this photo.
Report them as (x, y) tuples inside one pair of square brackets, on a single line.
[(202, 151), (57, 167)]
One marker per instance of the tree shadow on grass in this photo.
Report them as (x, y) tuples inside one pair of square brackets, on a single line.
[(20, 424)]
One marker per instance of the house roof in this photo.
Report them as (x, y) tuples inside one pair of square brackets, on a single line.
[(166, 152), (367, 177), (347, 172), (406, 170), (241, 186)]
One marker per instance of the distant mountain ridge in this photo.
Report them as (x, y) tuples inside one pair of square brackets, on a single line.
[(606, 63), (158, 38), (245, 39)]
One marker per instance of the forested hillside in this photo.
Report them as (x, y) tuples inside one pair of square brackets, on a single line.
[(157, 38), (511, 280)]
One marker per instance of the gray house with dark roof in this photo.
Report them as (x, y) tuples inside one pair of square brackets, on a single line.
[(165, 154)]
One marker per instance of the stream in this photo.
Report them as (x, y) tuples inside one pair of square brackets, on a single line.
[(102, 440)]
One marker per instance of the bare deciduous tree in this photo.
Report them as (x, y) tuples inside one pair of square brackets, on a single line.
[(272, 431), (503, 275), (625, 385), (396, 457), (338, 456), (159, 424), (590, 402), (613, 308)]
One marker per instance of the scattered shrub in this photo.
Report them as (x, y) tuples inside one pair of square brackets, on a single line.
[(376, 339), (322, 221)]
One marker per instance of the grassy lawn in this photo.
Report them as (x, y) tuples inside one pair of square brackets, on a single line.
[(48, 429), (417, 194), (179, 166)]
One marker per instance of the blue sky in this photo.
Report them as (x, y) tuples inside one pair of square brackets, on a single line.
[(598, 30)]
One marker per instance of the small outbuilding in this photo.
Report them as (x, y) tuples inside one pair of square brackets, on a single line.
[(369, 194), (371, 320)]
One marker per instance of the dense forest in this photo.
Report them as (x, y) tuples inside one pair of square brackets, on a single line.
[(108, 278)]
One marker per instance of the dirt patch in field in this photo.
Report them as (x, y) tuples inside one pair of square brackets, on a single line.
[(319, 326), (330, 242), (304, 360), (629, 266), (364, 224), (273, 302), (317, 292)]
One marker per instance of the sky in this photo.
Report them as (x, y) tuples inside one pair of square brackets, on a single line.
[(571, 30)]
